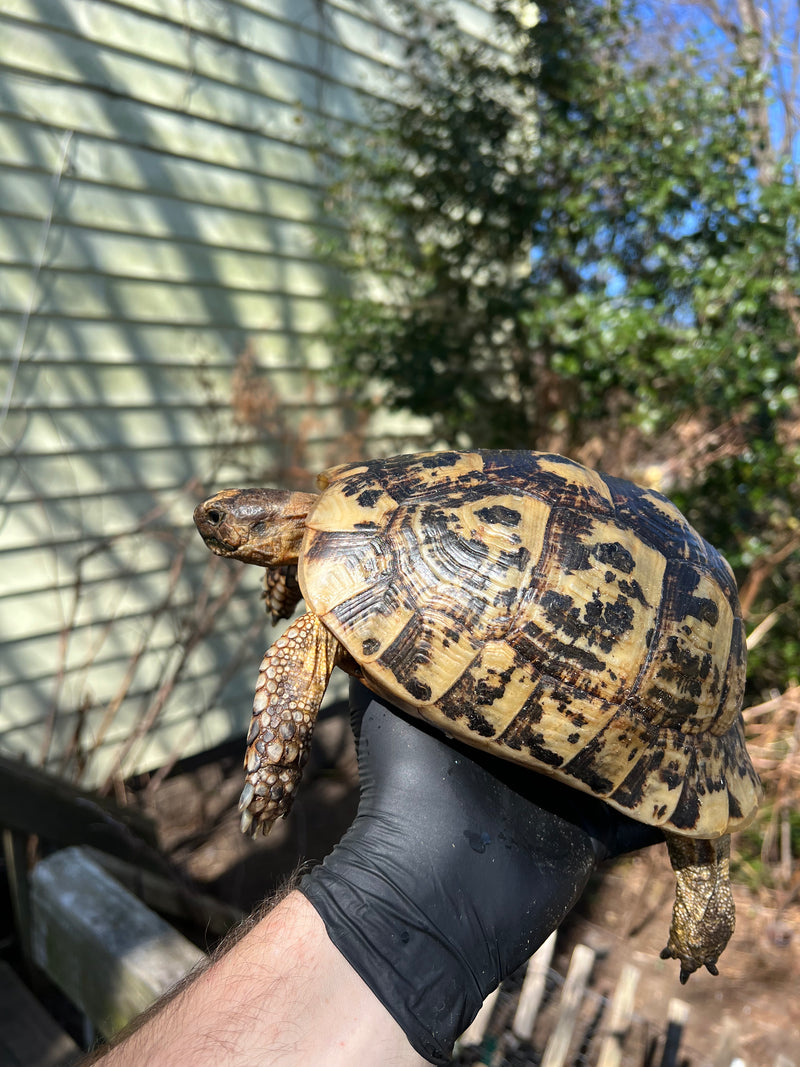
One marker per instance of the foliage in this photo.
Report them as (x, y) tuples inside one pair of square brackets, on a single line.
[(552, 240)]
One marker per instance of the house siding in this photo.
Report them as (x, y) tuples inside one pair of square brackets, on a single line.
[(161, 328)]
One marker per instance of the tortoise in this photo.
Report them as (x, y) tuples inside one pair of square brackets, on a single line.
[(554, 616)]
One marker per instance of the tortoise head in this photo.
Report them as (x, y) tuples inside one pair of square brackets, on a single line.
[(260, 526)]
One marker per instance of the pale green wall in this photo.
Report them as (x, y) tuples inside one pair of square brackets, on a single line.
[(157, 221)]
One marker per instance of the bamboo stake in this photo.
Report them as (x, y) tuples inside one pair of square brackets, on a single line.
[(476, 1030), (530, 997), (555, 1054), (619, 1019), (677, 1015)]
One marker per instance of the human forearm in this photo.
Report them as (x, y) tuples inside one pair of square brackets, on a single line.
[(283, 996)]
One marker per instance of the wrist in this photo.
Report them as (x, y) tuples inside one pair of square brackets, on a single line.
[(414, 967), (343, 1024), (282, 996)]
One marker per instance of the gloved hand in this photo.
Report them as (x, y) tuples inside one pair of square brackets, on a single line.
[(457, 867)]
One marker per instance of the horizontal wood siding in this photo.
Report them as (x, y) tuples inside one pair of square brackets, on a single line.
[(161, 329)]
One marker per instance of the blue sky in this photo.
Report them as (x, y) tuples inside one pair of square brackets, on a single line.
[(701, 21)]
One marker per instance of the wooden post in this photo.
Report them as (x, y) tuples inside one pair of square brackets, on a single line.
[(168, 896), (725, 1052), (619, 1019), (474, 1033), (530, 997), (677, 1016), (580, 968), (106, 950)]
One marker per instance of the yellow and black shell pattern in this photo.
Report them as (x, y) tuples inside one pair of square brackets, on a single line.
[(560, 618)]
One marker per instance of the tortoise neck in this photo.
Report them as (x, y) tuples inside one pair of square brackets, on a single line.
[(290, 528)]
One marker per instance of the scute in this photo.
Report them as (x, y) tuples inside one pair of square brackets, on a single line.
[(569, 621), (597, 598)]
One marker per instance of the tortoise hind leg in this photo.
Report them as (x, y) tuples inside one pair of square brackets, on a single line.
[(703, 916), (281, 591), (292, 680)]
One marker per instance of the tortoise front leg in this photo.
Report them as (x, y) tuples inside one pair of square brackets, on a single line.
[(703, 916), (292, 680)]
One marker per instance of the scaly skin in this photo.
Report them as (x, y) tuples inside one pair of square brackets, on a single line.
[(292, 680), (703, 917), (281, 592)]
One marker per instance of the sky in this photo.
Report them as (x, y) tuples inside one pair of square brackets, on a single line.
[(702, 20)]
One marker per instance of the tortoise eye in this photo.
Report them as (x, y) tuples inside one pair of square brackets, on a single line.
[(215, 517)]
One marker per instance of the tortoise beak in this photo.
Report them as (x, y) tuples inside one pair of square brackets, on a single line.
[(213, 523), (235, 519)]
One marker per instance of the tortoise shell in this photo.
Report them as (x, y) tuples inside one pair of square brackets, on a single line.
[(567, 620)]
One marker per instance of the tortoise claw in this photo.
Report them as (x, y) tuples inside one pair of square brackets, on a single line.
[(247, 795), (687, 968)]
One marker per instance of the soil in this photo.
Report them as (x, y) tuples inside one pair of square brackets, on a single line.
[(752, 1005), (752, 1008)]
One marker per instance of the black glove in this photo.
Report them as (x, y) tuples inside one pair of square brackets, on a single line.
[(457, 867)]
